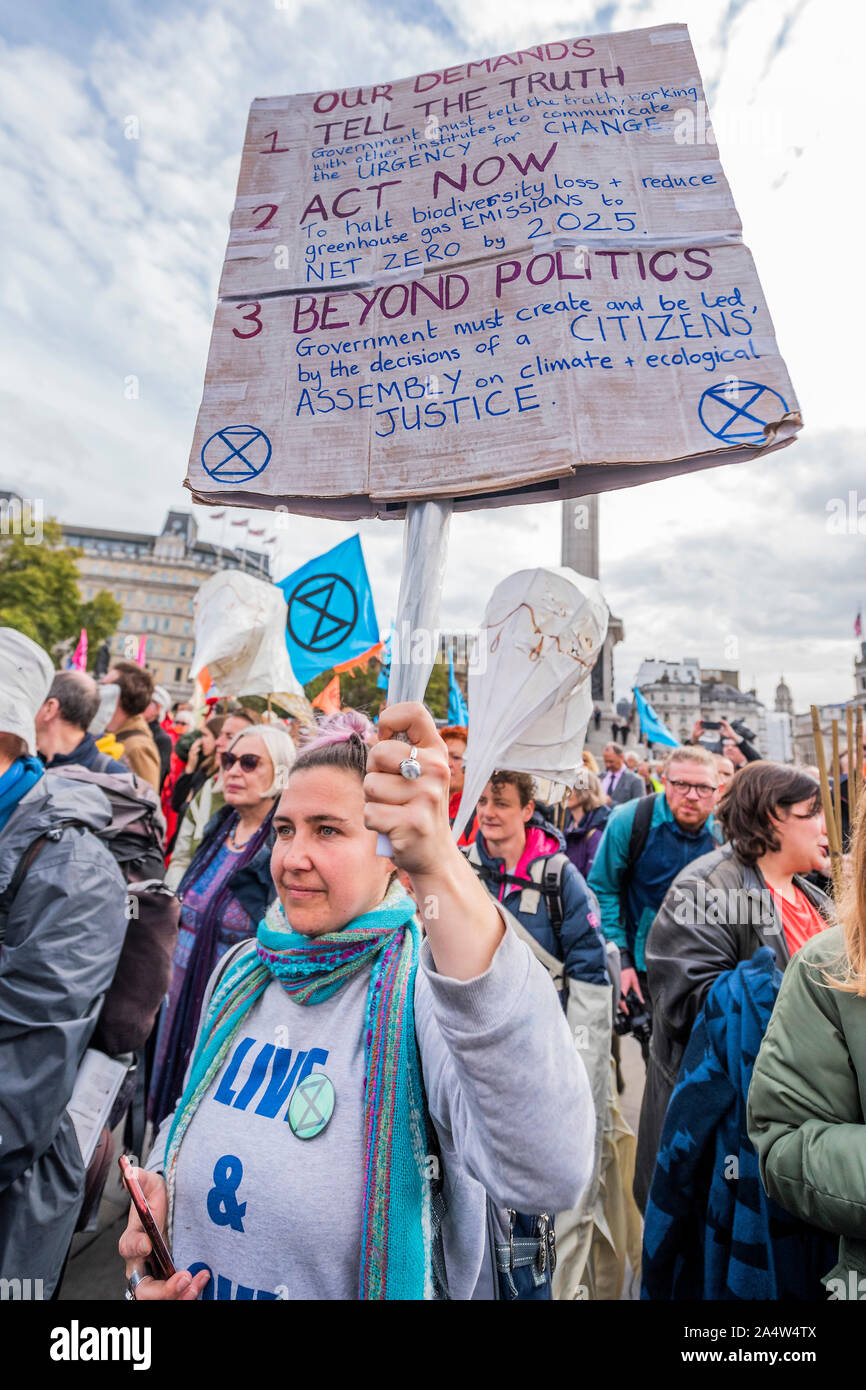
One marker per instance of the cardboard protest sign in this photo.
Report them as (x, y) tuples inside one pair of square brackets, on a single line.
[(515, 279)]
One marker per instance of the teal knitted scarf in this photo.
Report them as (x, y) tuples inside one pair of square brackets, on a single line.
[(396, 1254)]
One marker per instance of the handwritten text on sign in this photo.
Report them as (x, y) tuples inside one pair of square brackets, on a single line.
[(586, 139), (481, 279)]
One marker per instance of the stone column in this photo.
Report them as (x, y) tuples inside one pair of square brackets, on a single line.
[(580, 535)]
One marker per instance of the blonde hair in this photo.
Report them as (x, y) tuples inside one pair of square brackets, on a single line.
[(690, 753), (589, 761), (280, 749), (848, 972), (588, 792)]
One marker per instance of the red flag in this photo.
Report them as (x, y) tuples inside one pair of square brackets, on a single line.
[(142, 651), (328, 700)]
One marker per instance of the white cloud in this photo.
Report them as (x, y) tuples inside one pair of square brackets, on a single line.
[(115, 248)]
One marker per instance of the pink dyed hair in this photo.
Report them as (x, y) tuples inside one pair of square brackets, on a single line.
[(339, 728)]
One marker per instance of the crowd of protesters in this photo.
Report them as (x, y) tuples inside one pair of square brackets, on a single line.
[(178, 887)]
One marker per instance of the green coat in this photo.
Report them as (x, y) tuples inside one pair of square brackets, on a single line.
[(807, 1102)]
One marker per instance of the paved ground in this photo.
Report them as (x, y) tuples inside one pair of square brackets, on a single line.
[(95, 1270)]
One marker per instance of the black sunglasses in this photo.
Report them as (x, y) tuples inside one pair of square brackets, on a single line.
[(248, 761)]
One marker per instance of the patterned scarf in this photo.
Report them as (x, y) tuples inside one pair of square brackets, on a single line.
[(396, 1243)]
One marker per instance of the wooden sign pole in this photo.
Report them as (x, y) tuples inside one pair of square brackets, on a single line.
[(827, 801), (837, 781)]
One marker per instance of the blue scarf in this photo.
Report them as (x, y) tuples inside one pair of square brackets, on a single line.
[(396, 1248), (16, 782)]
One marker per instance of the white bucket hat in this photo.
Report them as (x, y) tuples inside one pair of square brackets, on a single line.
[(26, 673), (161, 697)]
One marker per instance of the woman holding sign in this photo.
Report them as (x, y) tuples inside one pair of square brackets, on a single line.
[(350, 1074)]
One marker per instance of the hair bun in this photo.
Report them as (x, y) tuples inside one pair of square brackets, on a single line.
[(339, 728)]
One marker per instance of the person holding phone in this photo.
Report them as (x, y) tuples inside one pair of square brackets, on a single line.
[(731, 745), (201, 765), (352, 1069)]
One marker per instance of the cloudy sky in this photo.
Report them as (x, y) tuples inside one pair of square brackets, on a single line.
[(114, 246)]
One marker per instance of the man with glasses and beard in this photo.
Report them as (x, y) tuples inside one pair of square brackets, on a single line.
[(645, 844)]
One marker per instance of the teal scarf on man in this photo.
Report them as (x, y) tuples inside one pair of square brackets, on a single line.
[(396, 1244), (16, 782)]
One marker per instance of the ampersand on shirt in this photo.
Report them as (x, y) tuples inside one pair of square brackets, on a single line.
[(222, 1206)]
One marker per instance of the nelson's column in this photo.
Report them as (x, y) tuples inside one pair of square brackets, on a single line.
[(580, 552)]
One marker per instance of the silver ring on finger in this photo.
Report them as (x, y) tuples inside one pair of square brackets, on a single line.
[(410, 768), (133, 1282)]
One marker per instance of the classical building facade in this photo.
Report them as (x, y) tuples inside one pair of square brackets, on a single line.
[(682, 692), (155, 579), (804, 741), (860, 676), (784, 698)]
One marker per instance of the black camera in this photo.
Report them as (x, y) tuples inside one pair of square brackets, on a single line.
[(638, 1021), (741, 727)]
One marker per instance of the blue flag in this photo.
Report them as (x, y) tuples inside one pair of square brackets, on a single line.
[(651, 726), (331, 616), (457, 711), (385, 673)]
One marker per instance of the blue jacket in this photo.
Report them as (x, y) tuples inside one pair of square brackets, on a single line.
[(86, 754), (668, 850), (583, 947), (710, 1231)]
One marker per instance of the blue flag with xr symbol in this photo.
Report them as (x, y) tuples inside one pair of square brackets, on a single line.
[(331, 617)]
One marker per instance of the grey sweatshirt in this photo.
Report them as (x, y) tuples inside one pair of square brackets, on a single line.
[(274, 1216)]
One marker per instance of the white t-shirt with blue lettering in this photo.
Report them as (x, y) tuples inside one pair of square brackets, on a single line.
[(272, 1215)]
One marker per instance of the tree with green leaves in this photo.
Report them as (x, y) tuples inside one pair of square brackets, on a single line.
[(360, 691), (39, 594)]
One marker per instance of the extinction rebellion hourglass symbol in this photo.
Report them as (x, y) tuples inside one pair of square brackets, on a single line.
[(236, 453), (323, 611), (736, 412)]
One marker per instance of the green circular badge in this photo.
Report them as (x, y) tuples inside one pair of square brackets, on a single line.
[(312, 1105)]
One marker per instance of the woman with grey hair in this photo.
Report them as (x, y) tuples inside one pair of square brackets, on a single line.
[(224, 893)]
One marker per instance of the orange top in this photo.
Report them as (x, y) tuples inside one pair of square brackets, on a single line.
[(800, 920)]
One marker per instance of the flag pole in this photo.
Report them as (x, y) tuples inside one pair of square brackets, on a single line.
[(425, 552)]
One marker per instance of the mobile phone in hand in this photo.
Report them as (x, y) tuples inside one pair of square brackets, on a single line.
[(159, 1253)]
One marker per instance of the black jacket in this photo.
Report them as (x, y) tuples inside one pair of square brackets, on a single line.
[(163, 748)]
